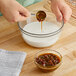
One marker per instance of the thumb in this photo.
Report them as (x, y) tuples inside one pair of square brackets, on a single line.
[(18, 17), (24, 12)]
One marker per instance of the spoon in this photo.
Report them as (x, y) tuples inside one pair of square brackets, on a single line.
[(40, 15)]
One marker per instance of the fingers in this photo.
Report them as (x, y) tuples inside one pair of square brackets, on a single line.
[(13, 11), (66, 13), (57, 12), (24, 11), (61, 9), (21, 18), (18, 17), (21, 15)]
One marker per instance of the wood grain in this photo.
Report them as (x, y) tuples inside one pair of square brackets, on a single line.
[(11, 39)]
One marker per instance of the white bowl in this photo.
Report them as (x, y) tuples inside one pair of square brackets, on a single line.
[(31, 30)]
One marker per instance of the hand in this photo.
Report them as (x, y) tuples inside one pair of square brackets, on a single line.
[(60, 8), (13, 11)]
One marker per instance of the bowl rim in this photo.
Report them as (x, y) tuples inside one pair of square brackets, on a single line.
[(50, 66), (42, 35)]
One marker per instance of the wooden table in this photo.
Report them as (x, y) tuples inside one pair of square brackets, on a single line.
[(11, 39)]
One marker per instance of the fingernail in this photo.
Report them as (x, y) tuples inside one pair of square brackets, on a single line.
[(59, 19)]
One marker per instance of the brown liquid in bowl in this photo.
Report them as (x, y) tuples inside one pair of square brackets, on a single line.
[(48, 59)]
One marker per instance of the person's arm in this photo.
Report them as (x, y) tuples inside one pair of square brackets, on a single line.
[(13, 11), (60, 8)]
